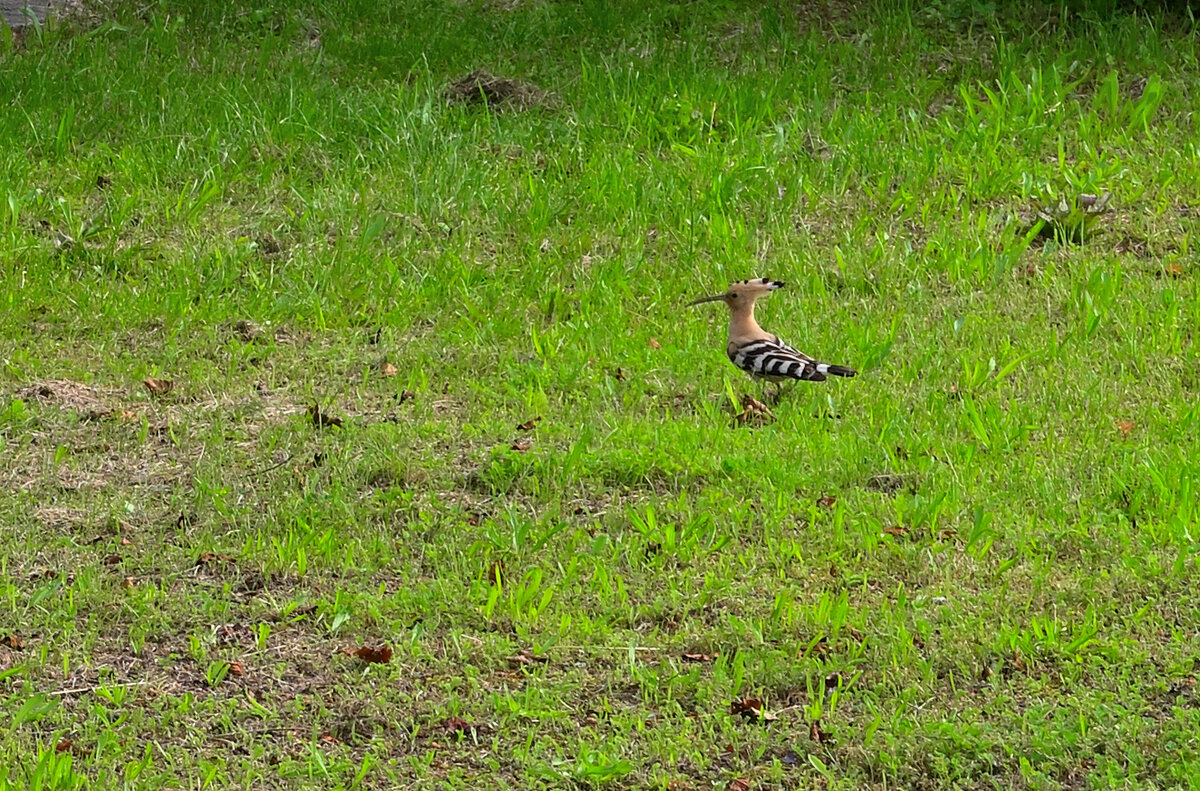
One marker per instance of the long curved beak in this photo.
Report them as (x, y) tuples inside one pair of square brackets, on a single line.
[(717, 298)]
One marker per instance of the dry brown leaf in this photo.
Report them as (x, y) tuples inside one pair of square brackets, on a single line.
[(529, 425), (1019, 663), (375, 655), (816, 734), (237, 668), (329, 738), (158, 387), (1173, 270), (112, 560), (655, 344), (389, 370), (751, 709), (738, 784), (699, 657), (129, 582), (458, 725), (1125, 427), (13, 641), (521, 445), (828, 501), (125, 542), (525, 658), (322, 419), (496, 572), (208, 557), (896, 530), (820, 649)]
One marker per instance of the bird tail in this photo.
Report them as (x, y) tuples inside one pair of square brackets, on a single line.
[(835, 370)]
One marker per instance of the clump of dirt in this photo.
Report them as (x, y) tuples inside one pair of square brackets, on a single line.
[(496, 93), (754, 413), (890, 483)]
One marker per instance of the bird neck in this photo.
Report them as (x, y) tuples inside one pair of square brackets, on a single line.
[(742, 324)]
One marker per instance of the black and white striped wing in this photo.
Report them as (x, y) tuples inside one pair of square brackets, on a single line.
[(774, 359)]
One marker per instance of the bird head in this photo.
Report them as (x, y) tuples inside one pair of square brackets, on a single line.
[(742, 292)]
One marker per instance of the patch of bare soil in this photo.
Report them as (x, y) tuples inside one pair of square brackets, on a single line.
[(496, 93)]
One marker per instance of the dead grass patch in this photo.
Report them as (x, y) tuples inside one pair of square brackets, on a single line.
[(53, 517), (76, 396), (95, 438)]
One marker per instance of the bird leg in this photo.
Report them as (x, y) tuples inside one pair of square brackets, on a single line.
[(766, 399), (773, 398), (781, 390)]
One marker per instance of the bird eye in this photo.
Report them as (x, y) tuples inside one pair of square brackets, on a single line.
[(733, 296)]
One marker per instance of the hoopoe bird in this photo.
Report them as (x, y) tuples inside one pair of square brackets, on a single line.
[(760, 354)]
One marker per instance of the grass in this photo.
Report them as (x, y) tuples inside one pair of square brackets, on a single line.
[(972, 566)]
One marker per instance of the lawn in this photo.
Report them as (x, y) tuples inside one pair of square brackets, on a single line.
[(354, 433)]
